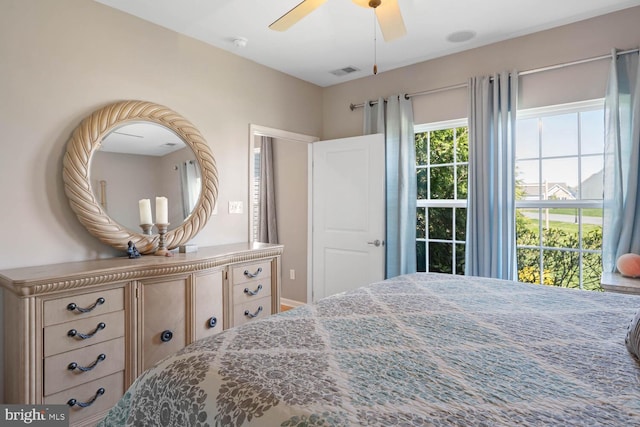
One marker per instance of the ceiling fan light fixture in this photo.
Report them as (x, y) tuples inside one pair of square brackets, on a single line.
[(387, 12), (368, 3)]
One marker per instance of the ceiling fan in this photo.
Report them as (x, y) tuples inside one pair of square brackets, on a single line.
[(387, 12)]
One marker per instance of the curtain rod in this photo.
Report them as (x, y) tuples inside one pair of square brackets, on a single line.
[(523, 73)]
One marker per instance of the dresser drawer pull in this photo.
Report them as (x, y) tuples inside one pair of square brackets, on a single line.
[(75, 334), (252, 315), (253, 293), (213, 322), (252, 275), (73, 306), (74, 402), (166, 336), (73, 365)]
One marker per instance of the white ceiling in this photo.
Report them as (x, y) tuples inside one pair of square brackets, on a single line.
[(340, 34)]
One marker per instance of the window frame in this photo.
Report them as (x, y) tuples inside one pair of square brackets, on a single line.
[(578, 204), (442, 203)]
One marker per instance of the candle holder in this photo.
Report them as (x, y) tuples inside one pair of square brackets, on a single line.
[(162, 250), (146, 229)]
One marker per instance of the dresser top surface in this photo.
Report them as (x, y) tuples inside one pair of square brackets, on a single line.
[(16, 280)]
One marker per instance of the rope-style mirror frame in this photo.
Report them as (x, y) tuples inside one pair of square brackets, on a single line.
[(87, 138)]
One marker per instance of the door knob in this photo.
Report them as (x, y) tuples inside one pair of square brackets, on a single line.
[(376, 243)]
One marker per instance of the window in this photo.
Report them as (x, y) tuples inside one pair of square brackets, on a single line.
[(255, 193), (559, 167), (442, 171), (559, 173)]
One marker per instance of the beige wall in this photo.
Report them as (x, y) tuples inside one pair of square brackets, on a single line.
[(290, 160), (585, 39)]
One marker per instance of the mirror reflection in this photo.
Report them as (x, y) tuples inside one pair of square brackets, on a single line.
[(142, 160)]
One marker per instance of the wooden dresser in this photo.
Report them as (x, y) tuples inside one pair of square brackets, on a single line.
[(79, 333)]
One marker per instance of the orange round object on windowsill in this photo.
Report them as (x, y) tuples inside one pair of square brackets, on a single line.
[(629, 265)]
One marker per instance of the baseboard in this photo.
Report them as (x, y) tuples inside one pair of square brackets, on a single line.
[(289, 303)]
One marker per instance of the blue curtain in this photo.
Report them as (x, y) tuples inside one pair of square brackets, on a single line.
[(396, 122), (621, 218), (491, 237)]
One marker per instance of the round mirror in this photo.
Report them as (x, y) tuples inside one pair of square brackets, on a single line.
[(171, 170), (134, 150)]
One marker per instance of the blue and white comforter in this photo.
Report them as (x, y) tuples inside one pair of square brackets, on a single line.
[(421, 349)]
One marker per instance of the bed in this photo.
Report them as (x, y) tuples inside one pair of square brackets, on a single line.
[(420, 349)]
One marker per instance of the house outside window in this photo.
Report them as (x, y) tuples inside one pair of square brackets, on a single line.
[(559, 166), (559, 187)]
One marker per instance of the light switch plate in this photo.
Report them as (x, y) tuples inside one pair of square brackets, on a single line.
[(235, 207)]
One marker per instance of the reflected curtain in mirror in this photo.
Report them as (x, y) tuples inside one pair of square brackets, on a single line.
[(267, 217), (190, 184)]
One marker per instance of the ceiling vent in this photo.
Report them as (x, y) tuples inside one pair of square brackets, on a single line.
[(344, 71)]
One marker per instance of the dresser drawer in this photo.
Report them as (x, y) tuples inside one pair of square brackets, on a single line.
[(112, 388), (209, 304), (251, 291), (255, 309), (250, 272), (84, 305), (163, 320), (59, 339), (92, 362)]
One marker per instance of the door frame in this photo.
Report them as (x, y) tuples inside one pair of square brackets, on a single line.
[(258, 130)]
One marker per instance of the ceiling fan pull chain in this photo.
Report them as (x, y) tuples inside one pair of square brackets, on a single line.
[(375, 42)]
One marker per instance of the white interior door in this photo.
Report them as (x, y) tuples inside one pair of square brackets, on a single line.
[(347, 214)]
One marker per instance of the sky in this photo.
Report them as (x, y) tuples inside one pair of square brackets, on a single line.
[(547, 148)]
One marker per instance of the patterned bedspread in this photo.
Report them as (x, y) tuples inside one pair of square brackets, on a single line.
[(423, 349)]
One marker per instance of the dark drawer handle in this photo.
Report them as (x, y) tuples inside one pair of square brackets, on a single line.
[(213, 322), (252, 275), (253, 293), (74, 402), (252, 315), (166, 336), (73, 365), (75, 334), (73, 306)]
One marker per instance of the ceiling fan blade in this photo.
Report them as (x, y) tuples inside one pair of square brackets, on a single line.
[(294, 15), (390, 20)]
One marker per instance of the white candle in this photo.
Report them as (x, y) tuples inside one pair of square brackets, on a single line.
[(145, 211), (162, 210)]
